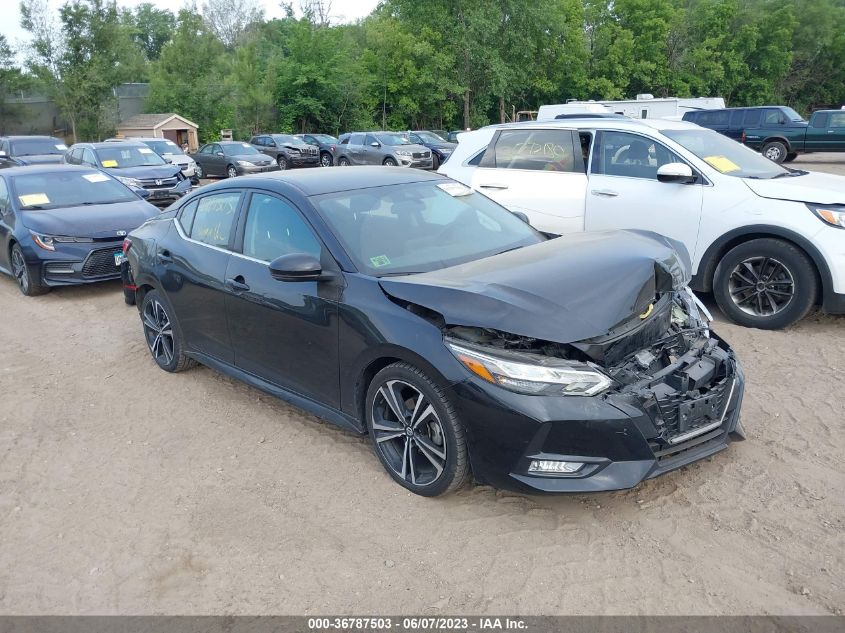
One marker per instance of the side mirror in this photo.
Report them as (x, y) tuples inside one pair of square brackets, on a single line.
[(220, 154), (296, 267), (676, 172), (169, 161), (522, 217), (375, 144), (141, 192)]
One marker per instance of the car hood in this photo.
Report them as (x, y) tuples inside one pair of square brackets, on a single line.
[(99, 220), (178, 159), (449, 147), (411, 147), (255, 159), (149, 171), (810, 187), (564, 290), (40, 159)]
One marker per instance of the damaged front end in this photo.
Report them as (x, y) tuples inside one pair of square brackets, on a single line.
[(680, 384)]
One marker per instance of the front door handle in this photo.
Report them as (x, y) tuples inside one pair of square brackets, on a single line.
[(607, 193), (493, 185), (237, 284)]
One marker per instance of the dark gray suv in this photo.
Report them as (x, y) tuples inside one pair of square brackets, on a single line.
[(287, 150)]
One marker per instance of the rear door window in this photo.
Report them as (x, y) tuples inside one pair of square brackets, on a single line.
[(535, 150), (214, 218)]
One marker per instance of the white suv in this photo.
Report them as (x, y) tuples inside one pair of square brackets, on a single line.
[(768, 241)]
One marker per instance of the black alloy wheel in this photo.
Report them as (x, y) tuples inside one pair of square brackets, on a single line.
[(765, 283), (415, 431), (162, 334), (28, 284)]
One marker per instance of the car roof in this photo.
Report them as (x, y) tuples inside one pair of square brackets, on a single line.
[(109, 144), (601, 123), (21, 137), (50, 168), (315, 182)]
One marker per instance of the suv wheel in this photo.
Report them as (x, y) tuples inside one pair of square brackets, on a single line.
[(162, 333), (765, 283), (326, 159), (415, 431), (29, 285), (389, 162), (343, 162), (775, 151), (282, 162)]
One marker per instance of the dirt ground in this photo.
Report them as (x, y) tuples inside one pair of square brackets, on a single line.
[(127, 490)]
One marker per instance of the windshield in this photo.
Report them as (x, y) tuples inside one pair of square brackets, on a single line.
[(392, 139), (287, 139), (37, 146), (59, 189), (726, 155), (239, 149), (411, 228), (430, 137), (325, 138), (163, 147), (792, 114), (134, 156)]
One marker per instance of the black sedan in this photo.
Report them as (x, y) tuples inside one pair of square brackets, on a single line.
[(231, 158), (63, 225), (403, 305)]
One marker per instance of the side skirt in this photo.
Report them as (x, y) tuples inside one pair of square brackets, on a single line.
[(330, 414)]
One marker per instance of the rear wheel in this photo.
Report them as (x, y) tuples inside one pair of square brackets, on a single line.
[(765, 283), (162, 333), (29, 284), (775, 151), (415, 431), (389, 162), (231, 171)]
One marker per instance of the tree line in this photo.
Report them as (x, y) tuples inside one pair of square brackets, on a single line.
[(409, 64)]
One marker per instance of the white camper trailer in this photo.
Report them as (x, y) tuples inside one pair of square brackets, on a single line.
[(550, 112), (645, 106)]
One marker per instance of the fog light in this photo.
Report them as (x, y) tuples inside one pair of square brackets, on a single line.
[(553, 467)]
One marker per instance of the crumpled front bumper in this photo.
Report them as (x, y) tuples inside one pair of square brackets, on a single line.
[(620, 439)]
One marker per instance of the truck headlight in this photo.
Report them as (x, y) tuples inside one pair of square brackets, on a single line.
[(833, 214), (531, 373), (130, 182)]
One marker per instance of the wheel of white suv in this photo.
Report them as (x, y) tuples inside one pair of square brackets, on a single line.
[(415, 431), (765, 283)]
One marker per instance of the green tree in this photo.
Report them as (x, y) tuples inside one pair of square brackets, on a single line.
[(11, 80), (151, 28)]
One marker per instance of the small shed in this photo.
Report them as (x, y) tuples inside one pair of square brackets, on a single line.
[(169, 125)]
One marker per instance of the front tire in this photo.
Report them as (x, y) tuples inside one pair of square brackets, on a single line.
[(326, 159), (282, 162), (231, 172), (415, 431), (765, 283), (199, 173), (162, 333), (389, 162), (775, 151), (28, 284), (343, 162), (435, 162)]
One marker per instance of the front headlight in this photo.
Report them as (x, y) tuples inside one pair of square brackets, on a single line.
[(532, 374), (833, 214), (48, 242), (245, 163), (130, 182), (404, 152)]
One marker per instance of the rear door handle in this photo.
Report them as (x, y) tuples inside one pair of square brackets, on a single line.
[(493, 185), (237, 284), (607, 193)]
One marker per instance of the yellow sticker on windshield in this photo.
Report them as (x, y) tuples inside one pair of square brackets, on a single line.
[(109, 163), (722, 163), (34, 199), (379, 261)]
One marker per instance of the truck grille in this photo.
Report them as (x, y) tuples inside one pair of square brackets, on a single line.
[(100, 263)]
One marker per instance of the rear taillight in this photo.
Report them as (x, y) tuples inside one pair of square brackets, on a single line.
[(127, 244)]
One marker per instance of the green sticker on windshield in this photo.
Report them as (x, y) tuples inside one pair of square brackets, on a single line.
[(379, 261)]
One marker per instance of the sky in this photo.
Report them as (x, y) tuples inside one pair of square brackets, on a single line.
[(342, 11)]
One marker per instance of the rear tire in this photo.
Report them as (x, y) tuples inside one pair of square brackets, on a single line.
[(765, 283), (415, 431), (28, 284), (775, 151), (162, 333)]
